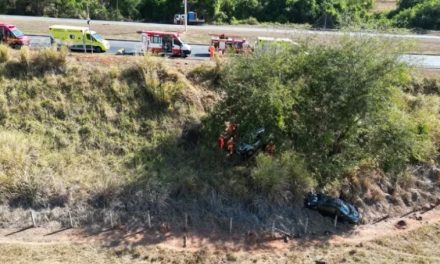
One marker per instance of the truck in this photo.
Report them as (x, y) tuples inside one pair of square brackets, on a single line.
[(12, 36), (223, 43), (78, 38), (164, 43), (179, 19)]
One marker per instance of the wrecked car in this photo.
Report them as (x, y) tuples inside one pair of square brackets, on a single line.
[(328, 205)]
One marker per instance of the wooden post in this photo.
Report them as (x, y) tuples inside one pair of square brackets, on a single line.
[(111, 220), (184, 240), (70, 219), (306, 225), (33, 219), (149, 220), (186, 222), (230, 225), (336, 221), (273, 230)]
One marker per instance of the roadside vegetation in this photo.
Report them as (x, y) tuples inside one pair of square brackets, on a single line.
[(412, 14), (142, 136)]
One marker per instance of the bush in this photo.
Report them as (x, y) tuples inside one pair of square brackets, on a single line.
[(327, 103), (424, 15), (283, 178), (49, 60), (4, 53)]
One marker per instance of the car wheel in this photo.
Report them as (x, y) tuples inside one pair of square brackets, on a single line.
[(98, 49)]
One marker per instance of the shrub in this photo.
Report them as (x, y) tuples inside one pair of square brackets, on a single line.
[(282, 178), (4, 53), (49, 60), (424, 15), (328, 103)]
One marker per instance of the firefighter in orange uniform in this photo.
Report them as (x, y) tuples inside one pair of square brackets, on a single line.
[(211, 51), (230, 146)]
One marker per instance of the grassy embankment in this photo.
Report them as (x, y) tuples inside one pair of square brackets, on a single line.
[(138, 137)]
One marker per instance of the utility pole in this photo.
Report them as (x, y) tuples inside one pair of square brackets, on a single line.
[(88, 26), (186, 14)]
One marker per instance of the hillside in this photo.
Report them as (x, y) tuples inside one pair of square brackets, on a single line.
[(132, 137)]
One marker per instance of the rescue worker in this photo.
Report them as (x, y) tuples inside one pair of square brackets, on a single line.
[(270, 148), (211, 51), (231, 128), (221, 142), (230, 146)]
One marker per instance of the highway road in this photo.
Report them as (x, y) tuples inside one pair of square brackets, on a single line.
[(200, 52), (225, 28), (197, 51)]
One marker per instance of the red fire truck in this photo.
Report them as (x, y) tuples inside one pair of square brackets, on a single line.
[(164, 43), (12, 36), (224, 43)]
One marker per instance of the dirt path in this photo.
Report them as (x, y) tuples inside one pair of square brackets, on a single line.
[(141, 237)]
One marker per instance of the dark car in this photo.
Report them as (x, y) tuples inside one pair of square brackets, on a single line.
[(332, 206), (246, 150)]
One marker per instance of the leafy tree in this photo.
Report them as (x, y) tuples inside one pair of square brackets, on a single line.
[(330, 104)]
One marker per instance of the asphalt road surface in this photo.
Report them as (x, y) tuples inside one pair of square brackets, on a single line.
[(197, 51)]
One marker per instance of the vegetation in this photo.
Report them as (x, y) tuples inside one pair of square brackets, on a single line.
[(322, 13), (335, 106), (143, 136), (418, 14)]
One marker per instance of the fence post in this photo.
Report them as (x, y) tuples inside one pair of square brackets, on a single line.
[(186, 222), (336, 221), (111, 220), (70, 219), (306, 225), (273, 229), (149, 219), (230, 225), (33, 219)]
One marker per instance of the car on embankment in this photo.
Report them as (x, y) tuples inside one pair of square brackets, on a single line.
[(78, 38), (12, 36), (328, 205)]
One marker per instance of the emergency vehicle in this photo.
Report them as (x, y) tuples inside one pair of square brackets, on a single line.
[(78, 38), (224, 43), (12, 36), (164, 43)]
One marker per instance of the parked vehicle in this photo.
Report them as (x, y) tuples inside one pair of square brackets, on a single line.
[(12, 36), (332, 206), (164, 43), (223, 43), (78, 38), (192, 19)]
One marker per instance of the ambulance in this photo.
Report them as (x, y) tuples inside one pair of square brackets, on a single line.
[(164, 43), (78, 38), (12, 36)]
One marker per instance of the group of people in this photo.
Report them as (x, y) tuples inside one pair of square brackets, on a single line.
[(227, 137), (227, 140)]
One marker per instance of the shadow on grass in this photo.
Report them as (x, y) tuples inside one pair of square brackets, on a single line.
[(21, 230)]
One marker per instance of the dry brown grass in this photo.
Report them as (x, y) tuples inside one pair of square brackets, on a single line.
[(384, 5), (416, 246)]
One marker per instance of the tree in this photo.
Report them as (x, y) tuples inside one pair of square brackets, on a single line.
[(329, 104)]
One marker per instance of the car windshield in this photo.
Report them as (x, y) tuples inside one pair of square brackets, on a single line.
[(97, 37), (17, 33)]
